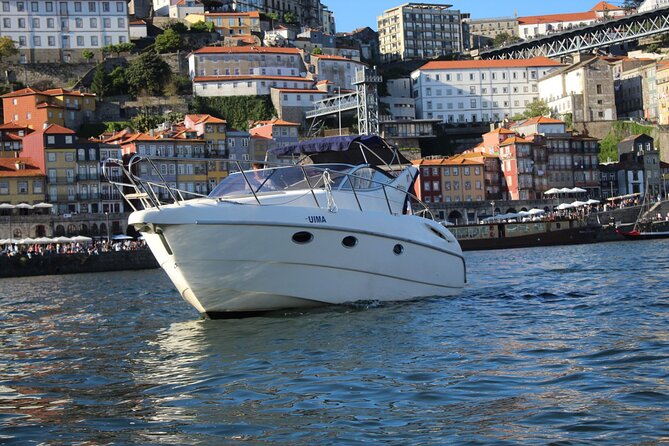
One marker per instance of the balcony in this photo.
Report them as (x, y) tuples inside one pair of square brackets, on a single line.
[(61, 180), (88, 177), (106, 196), (87, 196)]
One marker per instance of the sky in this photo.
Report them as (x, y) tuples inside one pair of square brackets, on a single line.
[(352, 14)]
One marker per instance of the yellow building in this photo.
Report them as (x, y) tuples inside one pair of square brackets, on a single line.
[(54, 151), (662, 79), (463, 178), (21, 181), (229, 24), (213, 131)]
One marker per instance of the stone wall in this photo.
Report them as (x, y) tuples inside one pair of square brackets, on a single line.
[(22, 265), (58, 74)]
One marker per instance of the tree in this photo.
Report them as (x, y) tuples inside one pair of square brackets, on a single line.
[(147, 73), (169, 41), (533, 109), (176, 26), (317, 51), (632, 4), (87, 55), (118, 81), (7, 47), (144, 122), (173, 117), (504, 39), (289, 17), (101, 84), (202, 27), (237, 110)]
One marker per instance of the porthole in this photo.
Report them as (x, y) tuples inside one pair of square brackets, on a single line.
[(349, 241), (398, 249), (303, 237)]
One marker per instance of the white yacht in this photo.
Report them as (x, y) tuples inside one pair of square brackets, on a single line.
[(338, 225)]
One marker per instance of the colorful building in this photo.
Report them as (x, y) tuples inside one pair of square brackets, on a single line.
[(37, 109), (21, 181)]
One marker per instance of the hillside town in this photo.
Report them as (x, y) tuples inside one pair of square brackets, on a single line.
[(209, 86)]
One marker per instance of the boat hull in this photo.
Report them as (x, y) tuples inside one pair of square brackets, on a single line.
[(248, 264), (524, 235)]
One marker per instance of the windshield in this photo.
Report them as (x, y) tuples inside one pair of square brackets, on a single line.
[(279, 179)]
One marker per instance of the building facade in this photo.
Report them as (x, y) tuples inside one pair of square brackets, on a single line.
[(582, 92), (36, 109), (419, 30), (229, 24), (59, 31), (482, 32), (475, 91), (21, 181)]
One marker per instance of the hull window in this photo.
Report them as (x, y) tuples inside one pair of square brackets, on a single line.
[(398, 249), (303, 237), (349, 241)]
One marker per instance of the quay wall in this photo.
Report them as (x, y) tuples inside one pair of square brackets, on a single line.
[(50, 264)]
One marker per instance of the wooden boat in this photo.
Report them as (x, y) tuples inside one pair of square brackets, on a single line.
[(646, 231), (524, 234)]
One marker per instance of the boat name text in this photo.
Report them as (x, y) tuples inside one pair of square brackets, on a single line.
[(316, 219)]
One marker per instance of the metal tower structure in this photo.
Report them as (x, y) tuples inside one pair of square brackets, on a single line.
[(366, 85)]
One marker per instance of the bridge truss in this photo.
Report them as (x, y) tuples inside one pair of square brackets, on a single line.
[(591, 37)]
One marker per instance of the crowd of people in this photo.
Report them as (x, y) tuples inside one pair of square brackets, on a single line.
[(91, 248)]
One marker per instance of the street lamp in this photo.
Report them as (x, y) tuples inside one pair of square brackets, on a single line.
[(492, 203), (108, 229)]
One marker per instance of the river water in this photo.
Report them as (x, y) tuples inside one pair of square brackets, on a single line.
[(561, 345)]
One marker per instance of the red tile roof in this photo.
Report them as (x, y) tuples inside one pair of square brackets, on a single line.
[(252, 14), (300, 90), (8, 168), (604, 6), (200, 118), (503, 63), (329, 57), (22, 92), (245, 49), (55, 129), (540, 120), (557, 18)]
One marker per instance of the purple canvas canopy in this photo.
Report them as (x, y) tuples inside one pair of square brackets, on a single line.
[(359, 149)]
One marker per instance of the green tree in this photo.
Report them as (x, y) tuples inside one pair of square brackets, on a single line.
[(202, 27), (174, 117), (179, 85), (169, 41), (147, 73), (632, 4), (533, 109), (177, 26), (101, 84), (87, 55), (7, 47), (118, 81), (237, 110), (504, 39), (289, 17), (317, 51), (144, 122)]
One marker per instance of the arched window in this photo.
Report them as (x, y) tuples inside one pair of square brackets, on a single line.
[(40, 231), (71, 229), (17, 233), (83, 230), (60, 230), (94, 229)]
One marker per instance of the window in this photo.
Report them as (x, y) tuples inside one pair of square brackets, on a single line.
[(93, 22), (5, 6), (105, 6), (69, 157), (23, 187), (38, 186), (4, 187), (22, 23), (49, 6), (37, 41), (20, 6), (121, 22), (91, 6), (51, 156), (79, 22), (106, 23), (77, 6), (94, 40), (49, 23), (119, 7), (36, 23), (80, 40), (68, 139), (6, 23)]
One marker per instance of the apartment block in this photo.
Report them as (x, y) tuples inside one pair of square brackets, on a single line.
[(309, 13), (338, 70), (21, 181), (482, 32), (419, 30), (59, 31), (37, 109), (229, 24), (474, 91), (583, 91), (246, 61)]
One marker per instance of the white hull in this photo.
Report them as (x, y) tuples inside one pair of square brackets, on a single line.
[(225, 257)]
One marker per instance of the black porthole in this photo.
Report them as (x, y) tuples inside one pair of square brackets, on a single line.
[(398, 249), (349, 241), (303, 237)]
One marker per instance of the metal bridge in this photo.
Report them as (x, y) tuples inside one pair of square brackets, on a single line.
[(335, 104), (600, 35)]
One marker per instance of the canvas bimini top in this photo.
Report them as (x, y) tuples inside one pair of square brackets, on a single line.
[(354, 150)]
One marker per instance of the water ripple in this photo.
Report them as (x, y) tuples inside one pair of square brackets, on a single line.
[(562, 346)]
